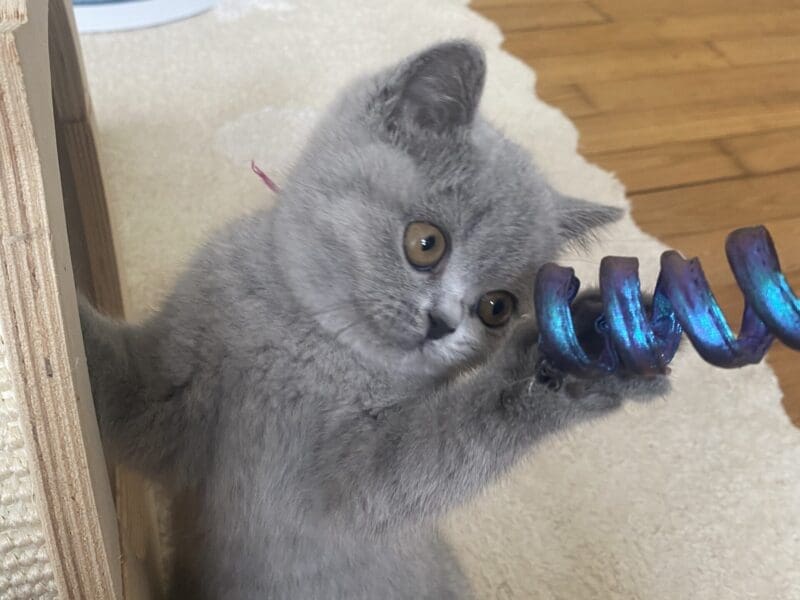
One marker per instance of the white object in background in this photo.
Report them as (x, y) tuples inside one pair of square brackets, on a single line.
[(117, 15)]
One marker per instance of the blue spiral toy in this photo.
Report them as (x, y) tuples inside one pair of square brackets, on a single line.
[(644, 341)]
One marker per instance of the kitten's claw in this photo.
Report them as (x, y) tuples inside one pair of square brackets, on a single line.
[(546, 374)]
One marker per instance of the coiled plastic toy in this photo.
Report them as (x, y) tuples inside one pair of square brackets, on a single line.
[(644, 341)]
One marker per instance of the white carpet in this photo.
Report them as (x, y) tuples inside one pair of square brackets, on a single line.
[(694, 497)]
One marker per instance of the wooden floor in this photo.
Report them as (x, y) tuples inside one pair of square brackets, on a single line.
[(695, 104)]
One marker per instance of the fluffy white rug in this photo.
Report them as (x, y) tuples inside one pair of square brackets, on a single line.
[(694, 497)]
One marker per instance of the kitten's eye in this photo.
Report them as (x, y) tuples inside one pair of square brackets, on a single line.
[(495, 308), (424, 244)]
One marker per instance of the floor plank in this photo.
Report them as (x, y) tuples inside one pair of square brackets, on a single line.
[(544, 16), (569, 98), (766, 152), (724, 205), (667, 125), (482, 5), (669, 165), (761, 50), (709, 246), (640, 9), (649, 33), (615, 64), (694, 87)]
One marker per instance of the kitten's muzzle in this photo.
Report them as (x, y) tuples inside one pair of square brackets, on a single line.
[(439, 326)]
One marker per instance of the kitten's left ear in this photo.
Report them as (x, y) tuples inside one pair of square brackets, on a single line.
[(438, 89), (577, 218)]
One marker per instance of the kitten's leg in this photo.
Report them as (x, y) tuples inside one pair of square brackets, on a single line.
[(425, 454), (142, 414)]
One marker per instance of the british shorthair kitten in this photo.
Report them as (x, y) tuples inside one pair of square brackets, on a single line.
[(329, 377)]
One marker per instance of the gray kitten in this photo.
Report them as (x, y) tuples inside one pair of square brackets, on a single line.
[(329, 377)]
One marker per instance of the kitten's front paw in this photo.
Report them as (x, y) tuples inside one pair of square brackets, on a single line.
[(613, 389), (586, 309)]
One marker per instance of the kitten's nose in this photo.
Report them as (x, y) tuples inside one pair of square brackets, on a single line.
[(438, 326)]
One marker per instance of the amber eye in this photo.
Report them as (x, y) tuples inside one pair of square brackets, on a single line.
[(424, 244), (495, 308)]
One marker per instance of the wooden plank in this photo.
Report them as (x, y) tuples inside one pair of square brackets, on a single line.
[(709, 246), (720, 206), (621, 131), (766, 152), (695, 87), (761, 50), (651, 33), (84, 194), (71, 103), (42, 336), (614, 64), (143, 560), (634, 10), (95, 268), (668, 165), (479, 5), (543, 16), (568, 98)]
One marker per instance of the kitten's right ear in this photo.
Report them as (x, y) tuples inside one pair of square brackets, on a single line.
[(578, 219), (439, 89)]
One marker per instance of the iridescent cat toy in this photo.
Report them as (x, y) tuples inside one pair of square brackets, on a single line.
[(645, 343)]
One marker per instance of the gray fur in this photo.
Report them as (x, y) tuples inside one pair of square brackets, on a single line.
[(285, 384)]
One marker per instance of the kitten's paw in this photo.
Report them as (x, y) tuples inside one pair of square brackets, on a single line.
[(606, 391), (586, 309)]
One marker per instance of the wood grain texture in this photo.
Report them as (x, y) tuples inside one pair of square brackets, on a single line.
[(95, 268), (766, 152), (695, 105), (482, 5), (761, 50), (545, 15), (609, 65), (643, 34), (42, 333), (689, 122), (669, 165), (633, 10), (568, 97), (83, 191), (717, 86), (718, 206)]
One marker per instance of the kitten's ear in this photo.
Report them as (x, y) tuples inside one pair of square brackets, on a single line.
[(577, 219), (438, 89)]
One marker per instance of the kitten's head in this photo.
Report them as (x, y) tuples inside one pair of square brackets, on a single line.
[(413, 229)]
